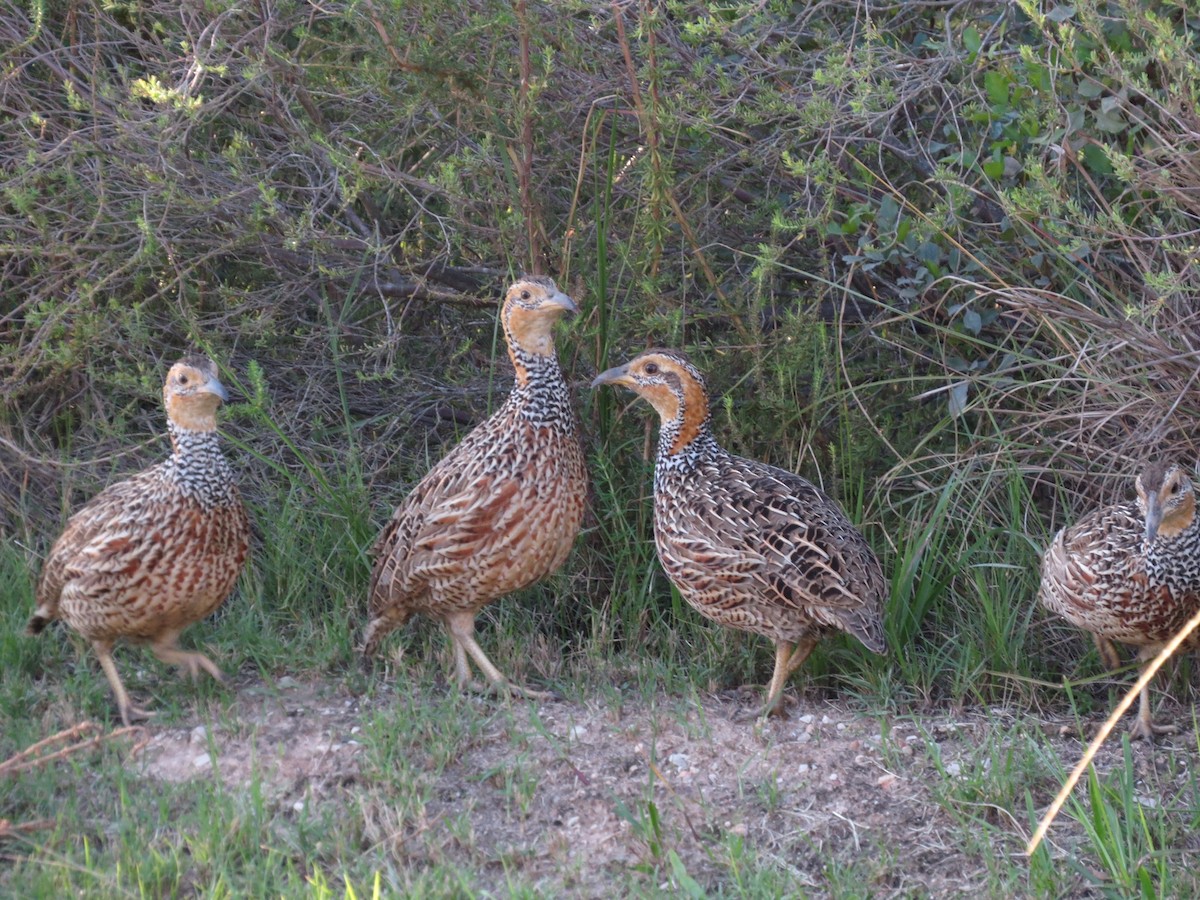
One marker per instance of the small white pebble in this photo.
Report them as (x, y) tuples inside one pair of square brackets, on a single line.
[(841, 726), (298, 806), (833, 776), (862, 760), (199, 734), (287, 682), (825, 720), (202, 762), (953, 769), (355, 730), (575, 732), (807, 718), (802, 768), (678, 760), (573, 821)]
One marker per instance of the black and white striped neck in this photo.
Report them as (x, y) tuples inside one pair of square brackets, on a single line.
[(540, 394), (198, 468), (1175, 561), (681, 460)]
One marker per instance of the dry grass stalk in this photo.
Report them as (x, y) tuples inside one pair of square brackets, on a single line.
[(40, 753), (1098, 741)]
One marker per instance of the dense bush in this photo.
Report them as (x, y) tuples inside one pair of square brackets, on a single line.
[(910, 241)]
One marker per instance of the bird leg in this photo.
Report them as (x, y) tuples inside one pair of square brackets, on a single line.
[(127, 709), (1144, 727), (1108, 653), (462, 632), (166, 650), (788, 658)]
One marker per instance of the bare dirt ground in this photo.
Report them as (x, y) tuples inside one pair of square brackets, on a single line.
[(572, 797)]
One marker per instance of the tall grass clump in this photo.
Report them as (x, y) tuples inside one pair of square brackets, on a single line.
[(936, 260)]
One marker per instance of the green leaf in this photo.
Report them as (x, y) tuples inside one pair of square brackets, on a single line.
[(689, 885), (1096, 160), (889, 211), (1112, 122), (958, 399), (971, 40), (996, 85)]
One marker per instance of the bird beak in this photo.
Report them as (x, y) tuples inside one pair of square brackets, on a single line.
[(558, 298), (615, 375), (1154, 515), (213, 386)]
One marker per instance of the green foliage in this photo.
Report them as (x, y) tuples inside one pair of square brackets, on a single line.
[(939, 260)]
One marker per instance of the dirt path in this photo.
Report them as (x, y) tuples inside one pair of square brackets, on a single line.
[(572, 796)]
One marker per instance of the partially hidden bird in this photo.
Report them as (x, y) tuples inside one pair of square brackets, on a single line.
[(497, 513), (748, 545), (150, 555), (1130, 573)]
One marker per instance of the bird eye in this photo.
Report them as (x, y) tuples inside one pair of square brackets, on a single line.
[(651, 369), (183, 379), (524, 295)]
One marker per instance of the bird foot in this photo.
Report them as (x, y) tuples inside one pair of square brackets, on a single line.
[(131, 713), (507, 689), (1145, 731), (193, 663)]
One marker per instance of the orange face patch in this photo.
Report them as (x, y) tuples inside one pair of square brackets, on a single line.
[(195, 412), (695, 412), (1179, 518)]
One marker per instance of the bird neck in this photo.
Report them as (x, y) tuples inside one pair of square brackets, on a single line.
[(685, 441), (540, 394), (198, 468), (1171, 558)]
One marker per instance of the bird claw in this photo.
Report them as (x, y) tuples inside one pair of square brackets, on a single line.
[(1142, 731), (131, 713), (508, 689)]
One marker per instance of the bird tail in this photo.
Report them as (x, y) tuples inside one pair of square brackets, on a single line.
[(38, 621), (380, 627), (375, 633)]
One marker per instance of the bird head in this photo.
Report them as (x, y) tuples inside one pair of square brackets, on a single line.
[(1167, 500), (192, 393), (668, 381), (531, 308)]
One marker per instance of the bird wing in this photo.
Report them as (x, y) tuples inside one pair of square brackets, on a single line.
[(449, 516), (776, 530), (98, 536)]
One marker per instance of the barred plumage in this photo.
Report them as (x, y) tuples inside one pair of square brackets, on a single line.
[(501, 510), (148, 556), (1130, 573), (749, 545)]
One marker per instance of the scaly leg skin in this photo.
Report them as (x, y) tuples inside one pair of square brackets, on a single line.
[(462, 671), (1144, 727), (166, 650), (127, 709), (1108, 652), (462, 631), (788, 658)]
